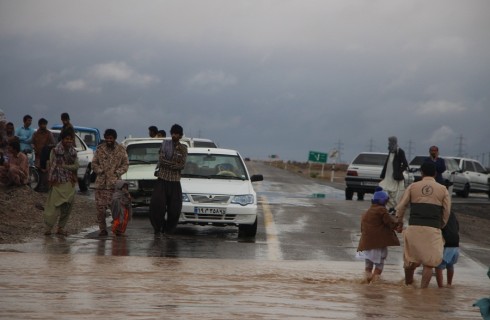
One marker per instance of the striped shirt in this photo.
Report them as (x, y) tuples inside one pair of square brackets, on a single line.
[(170, 168)]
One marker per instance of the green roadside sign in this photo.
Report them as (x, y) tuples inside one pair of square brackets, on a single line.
[(317, 157)]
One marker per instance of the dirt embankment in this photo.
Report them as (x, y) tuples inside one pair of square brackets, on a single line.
[(21, 217)]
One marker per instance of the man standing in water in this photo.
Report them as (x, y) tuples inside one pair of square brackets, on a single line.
[(429, 212), (167, 195)]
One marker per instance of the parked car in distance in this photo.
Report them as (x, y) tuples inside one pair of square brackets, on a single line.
[(85, 156), (363, 174), (479, 177), (91, 136), (461, 183), (190, 142), (217, 188)]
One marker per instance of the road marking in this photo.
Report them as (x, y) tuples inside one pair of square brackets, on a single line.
[(273, 245)]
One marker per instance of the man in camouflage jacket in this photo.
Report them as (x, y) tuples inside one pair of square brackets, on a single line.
[(110, 162)]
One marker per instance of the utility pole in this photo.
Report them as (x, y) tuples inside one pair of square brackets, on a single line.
[(460, 146), (371, 145), (409, 149), (339, 149)]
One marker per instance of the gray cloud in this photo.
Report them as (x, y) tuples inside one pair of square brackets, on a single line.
[(267, 77)]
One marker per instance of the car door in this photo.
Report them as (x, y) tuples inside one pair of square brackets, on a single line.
[(454, 174), (85, 155), (481, 176)]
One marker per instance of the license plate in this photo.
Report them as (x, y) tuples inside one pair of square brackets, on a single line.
[(212, 211), (369, 183)]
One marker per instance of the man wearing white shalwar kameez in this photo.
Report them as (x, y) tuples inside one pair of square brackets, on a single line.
[(393, 181)]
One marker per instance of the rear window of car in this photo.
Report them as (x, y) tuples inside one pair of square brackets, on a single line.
[(370, 159), (204, 144)]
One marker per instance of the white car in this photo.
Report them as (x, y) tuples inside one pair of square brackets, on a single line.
[(217, 188), (461, 183), (85, 156), (189, 142), (478, 176), (364, 174)]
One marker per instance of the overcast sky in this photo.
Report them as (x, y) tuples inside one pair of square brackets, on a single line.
[(263, 77)]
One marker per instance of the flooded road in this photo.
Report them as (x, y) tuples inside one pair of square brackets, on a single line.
[(46, 286), (300, 265)]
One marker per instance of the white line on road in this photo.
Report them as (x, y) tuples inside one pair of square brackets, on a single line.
[(273, 245)]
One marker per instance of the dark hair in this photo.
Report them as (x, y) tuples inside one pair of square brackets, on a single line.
[(15, 144), (428, 169), (65, 116), (177, 129), (10, 124), (434, 147), (153, 129), (42, 121), (26, 117), (68, 132), (110, 132), (162, 132)]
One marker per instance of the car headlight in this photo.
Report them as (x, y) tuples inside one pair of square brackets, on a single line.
[(132, 184), (185, 198), (243, 199)]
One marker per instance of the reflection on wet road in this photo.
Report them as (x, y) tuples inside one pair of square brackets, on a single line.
[(45, 286), (300, 265)]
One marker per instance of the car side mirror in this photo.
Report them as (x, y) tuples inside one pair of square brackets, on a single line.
[(257, 177)]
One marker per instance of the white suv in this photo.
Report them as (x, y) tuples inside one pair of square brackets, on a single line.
[(478, 176), (216, 186)]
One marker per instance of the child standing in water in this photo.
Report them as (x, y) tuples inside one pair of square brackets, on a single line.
[(377, 233), (121, 208), (451, 251)]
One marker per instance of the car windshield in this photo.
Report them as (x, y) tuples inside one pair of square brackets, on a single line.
[(88, 138), (370, 159), (78, 143), (143, 152), (451, 165), (418, 160), (215, 166)]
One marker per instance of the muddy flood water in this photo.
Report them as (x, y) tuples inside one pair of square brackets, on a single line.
[(80, 286)]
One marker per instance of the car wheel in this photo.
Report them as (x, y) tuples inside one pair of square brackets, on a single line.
[(84, 183), (348, 194), (248, 230), (360, 196), (466, 191)]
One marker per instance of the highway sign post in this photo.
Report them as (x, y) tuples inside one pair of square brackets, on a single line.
[(319, 157)]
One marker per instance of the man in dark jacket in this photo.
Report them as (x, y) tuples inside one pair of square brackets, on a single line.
[(393, 181)]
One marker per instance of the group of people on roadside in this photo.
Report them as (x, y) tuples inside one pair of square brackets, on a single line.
[(431, 239), (110, 162), (57, 163)]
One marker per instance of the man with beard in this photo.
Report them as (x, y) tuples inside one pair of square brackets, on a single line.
[(438, 162), (392, 174), (110, 162), (167, 195)]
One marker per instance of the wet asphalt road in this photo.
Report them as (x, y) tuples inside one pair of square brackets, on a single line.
[(300, 265), (299, 219)]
